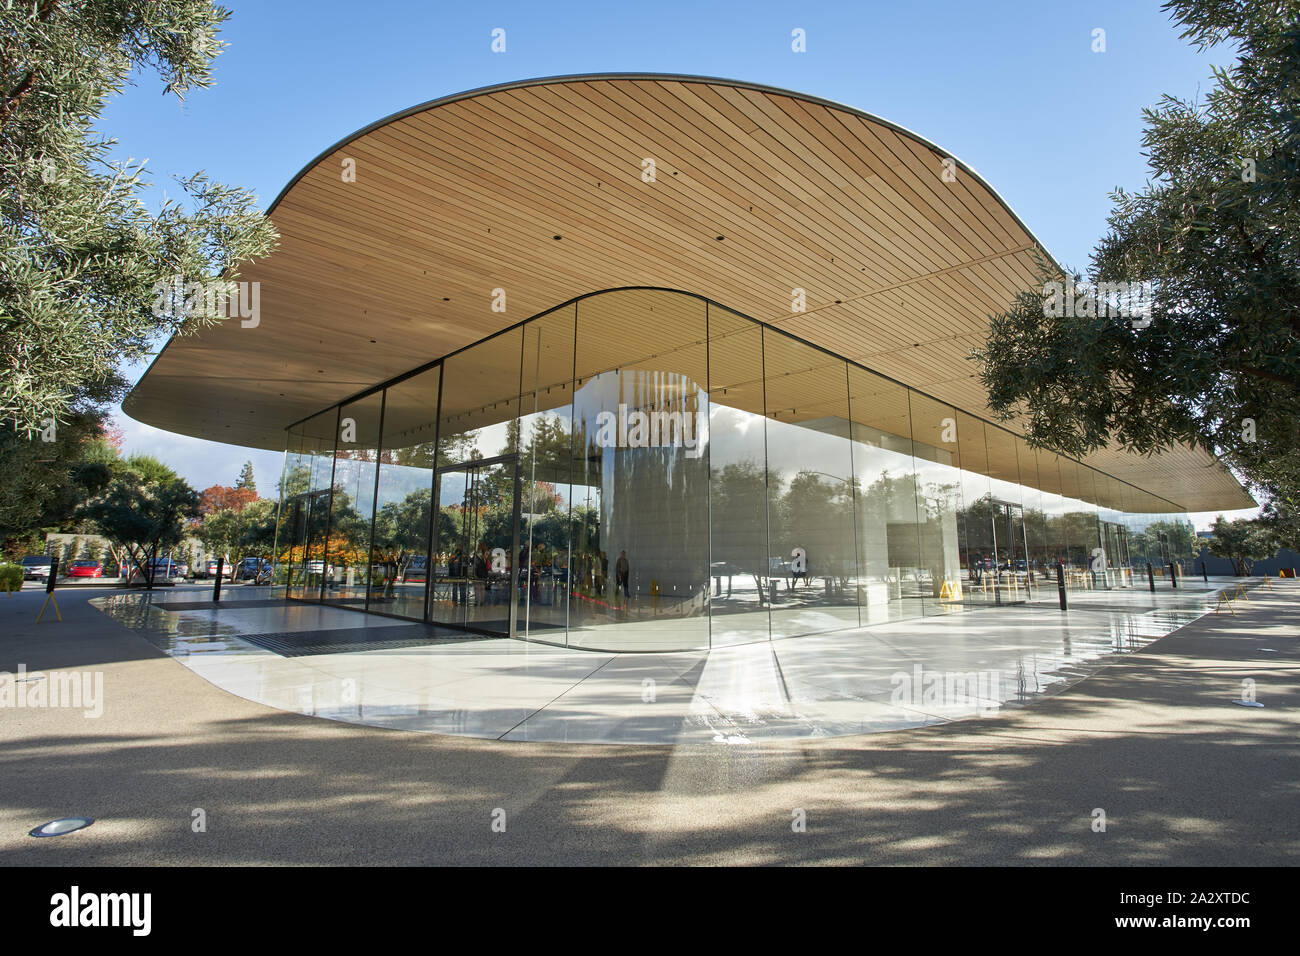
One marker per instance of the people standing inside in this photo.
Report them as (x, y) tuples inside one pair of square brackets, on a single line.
[(539, 562), (390, 574), (453, 571), (621, 575), (482, 561), (524, 566), (459, 573)]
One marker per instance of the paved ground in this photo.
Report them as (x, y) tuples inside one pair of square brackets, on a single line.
[(380, 672), (1184, 775)]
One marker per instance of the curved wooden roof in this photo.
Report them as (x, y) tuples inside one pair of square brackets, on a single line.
[(536, 188)]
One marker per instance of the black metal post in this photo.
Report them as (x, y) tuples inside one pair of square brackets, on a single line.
[(1173, 575), (50, 584), (515, 570), (216, 588), (1151, 578), (1060, 586), (1204, 573)]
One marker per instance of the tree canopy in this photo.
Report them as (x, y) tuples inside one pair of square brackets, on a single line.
[(81, 257), (144, 509), (1214, 358)]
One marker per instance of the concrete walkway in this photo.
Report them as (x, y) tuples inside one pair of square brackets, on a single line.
[(1184, 775)]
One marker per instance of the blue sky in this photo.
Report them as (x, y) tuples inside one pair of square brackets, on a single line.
[(1012, 87)]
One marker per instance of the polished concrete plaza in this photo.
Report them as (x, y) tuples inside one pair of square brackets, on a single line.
[(343, 665), (1156, 738)]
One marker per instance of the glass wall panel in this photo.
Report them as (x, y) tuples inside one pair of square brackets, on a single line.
[(404, 497), (1010, 544), (1054, 532), (740, 573), (976, 518), (477, 546), (812, 554), (1108, 515), (935, 450), (643, 470), (308, 505), (1041, 571), (546, 437), (1080, 524), (640, 424), (884, 498), (356, 454), (291, 530)]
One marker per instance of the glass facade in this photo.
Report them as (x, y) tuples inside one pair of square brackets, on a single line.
[(643, 469)]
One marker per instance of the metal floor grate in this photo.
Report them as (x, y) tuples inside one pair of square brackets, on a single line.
[(209, 605), (354, 640)]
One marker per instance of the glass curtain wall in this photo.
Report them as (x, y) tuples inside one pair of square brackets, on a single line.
[(307, 481), (812, 549), (644, 470), (399, 550), (740, 574), (478, 564), (640, 435), (546, 463), (937, 460), (356, 455), (884, 499)]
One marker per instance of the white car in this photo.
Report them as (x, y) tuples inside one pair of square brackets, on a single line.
[(211, 570)]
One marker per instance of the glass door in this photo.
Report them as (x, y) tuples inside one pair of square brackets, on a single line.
[(309, 518), (981, 577), (1010, 552), (1114, 547), (1123, 558), (476, 559)]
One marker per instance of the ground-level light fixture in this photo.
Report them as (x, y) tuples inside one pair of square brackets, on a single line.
[(60, 827)]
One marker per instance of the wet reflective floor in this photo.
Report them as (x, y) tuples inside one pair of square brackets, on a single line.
[(341, 665)]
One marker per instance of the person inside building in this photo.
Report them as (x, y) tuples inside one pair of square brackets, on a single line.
[(621, 575)]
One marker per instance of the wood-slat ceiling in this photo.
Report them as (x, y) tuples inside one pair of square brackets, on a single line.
[(457, 198)]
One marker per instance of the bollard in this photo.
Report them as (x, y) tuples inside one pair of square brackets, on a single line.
[(216, 588), (50, 584), (1151, 578), (1204, 573), (1173, 575), (1060, 586)]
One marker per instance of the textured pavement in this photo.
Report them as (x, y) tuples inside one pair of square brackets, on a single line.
[(1185, 776)]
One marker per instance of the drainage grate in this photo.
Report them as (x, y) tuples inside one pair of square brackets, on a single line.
[(354, 640), (210, 605)]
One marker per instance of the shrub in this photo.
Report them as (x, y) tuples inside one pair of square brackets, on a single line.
[(11, 577)]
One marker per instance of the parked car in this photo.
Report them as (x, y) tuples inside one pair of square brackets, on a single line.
[(257, 570), (417, 569), (36, 567), (85, 569), (163, 569), (210, 569)]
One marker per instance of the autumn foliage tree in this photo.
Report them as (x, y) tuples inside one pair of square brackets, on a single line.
[(222, 498)]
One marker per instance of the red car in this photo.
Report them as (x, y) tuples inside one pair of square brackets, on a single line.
[(85, 569)]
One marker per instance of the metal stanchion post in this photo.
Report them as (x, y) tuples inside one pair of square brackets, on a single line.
[(1060, 586), (1173, 575), (1151, 578), (50, 583), (1204, 573), (216, 588)]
